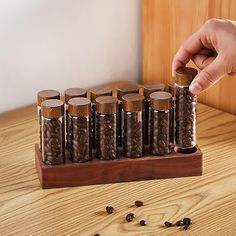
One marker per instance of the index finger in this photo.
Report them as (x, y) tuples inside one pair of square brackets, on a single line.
[(190, 47)]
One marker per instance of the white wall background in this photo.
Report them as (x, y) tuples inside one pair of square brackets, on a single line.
[(59, 44)]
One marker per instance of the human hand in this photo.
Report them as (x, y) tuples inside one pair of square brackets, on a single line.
[(213, 50)]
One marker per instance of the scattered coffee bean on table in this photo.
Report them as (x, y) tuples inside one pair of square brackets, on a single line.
[(185, 114), (109, 209), (130, 217), (168, 224), (143, 222), (187, 221), (179, 223), (138, 203)]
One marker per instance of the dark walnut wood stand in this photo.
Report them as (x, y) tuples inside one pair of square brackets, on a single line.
[(121, 170)]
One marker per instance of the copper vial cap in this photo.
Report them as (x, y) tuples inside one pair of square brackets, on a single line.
[(125, 89), (161, 101), (79, 106), (52, 108), (185, 75), (99, 91), (133, 102), (106, 105), (73, 93), (47, 94), (149, 88)]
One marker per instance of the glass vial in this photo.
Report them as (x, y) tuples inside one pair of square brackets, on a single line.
[(71, 93), (149, 88), (121, 91), (133, 105), (160, 106), (42, 96), (79, 135), (171, 90), (53, 133), (95, 93), (185, 114), (106, 128)]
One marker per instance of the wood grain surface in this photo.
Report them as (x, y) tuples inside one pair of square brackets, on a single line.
[(210, 200), (166, 25)]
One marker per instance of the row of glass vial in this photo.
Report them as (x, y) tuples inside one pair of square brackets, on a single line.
[(101, 128)]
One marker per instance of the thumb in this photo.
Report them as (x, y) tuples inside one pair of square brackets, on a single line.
[(208, 76)]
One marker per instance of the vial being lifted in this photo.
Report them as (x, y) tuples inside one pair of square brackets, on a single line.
[(185, 114)]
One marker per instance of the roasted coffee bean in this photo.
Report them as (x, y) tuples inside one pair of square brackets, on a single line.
[(179, 223), (106, 130), (186, 227), (187, 221), (53, 141), (138, 203), (109, 209), (159, 132), (185, 117), (143, 222), (79, 139), (168, 224), (133, 134), (130, 217)]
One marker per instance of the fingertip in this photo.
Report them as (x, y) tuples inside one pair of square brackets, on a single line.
[(195, 88)]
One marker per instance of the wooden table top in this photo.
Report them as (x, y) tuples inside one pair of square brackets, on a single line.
[(210, 200)]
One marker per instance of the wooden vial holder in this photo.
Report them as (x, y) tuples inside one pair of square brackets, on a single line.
[(120, 170)]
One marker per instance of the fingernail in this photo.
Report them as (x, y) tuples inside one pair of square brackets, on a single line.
[(195, 88)]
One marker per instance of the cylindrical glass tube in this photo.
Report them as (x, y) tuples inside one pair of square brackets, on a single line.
[(53, 132), (185, 114), (95, 93), (79, 135), (69, 94), (160, 105), (133, 144), (149, 88), (121, 91), (106, 128), (42, 96)]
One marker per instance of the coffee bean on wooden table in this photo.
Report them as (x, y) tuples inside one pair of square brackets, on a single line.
[(187, 221), (143, 222), (138, 203), (179, 223), (168, 224), (109, 209), (130, 217)]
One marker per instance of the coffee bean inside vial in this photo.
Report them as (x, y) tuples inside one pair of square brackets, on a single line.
[(109, 209), (138, 203), (130, 217)]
